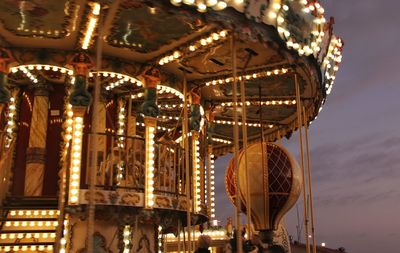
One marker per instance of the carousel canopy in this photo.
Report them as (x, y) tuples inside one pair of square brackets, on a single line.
[(275, 41)]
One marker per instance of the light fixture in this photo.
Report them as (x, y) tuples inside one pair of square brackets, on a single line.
[(249, 76), (212, 183), (202, 5), (75, 156), (196, 171), (222, 140), (150, 131), (258, 103), (160, 240), (127, 240), (10, 122), (91, 26), (206, 41)]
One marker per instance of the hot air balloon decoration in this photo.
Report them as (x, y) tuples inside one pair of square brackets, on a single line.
[(274, 185)]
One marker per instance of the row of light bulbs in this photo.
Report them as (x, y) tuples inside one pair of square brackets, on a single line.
[(91, 26), (28, 100), (161, 89), (31, 224), (150, 165), (166, 89), (160, 240), (27, 236), (10, 121), (201, 43), (169, 117), (261, 74), (121, 138), (42, 67), (202, 5), (122, 78), (227, 122), (121, 124), (214, 234), (63, 240), (34, 212), (29, 74), (170, 106), (32, 248), (158, 127), (331, 62), (222, 140), (257, 103), (196, 173), (127, 240), (212, 183), (76, 153)]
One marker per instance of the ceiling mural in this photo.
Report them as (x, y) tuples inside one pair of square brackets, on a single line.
[(146, 28), (42, 18)]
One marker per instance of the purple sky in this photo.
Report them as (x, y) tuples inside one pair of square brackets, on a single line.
[(355, 142)]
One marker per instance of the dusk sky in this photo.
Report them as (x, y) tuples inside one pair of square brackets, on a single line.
[(355, 142)]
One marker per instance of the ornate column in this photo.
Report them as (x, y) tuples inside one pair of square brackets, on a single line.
[(36, 152), (80, 100), (194, 124), (150, 109), (210, 167)]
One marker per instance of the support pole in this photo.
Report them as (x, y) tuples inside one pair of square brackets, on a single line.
[(179, 236), (299, 123), (314, 244), (187, 165), (209, 162), (236, 142), (94, 141), (264, 161), (244, 136)]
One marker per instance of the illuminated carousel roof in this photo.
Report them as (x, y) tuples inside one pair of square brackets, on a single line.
[(274, 39)]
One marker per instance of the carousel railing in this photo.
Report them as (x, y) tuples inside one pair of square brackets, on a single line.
[(170, 169), (120, 161), (121, 165)]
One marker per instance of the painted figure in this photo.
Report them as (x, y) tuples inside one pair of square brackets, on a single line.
[(195, 116), (82, 65), (152, 79)]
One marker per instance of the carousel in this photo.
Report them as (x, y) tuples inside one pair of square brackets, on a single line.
[(112, 114)]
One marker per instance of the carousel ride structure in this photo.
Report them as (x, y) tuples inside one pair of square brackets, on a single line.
[(112, 113)]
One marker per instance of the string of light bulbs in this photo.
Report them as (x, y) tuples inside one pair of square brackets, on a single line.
[(250, 76)]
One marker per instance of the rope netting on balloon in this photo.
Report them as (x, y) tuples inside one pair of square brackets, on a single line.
[(279, 178)]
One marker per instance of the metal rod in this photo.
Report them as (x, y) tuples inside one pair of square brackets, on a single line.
[(244, 137), (279, 137), (264, 162), (236, 142), (179, 236), (187, 165), (184, 239), (93, 137), (299, 123), (314, 244), (63, 197)]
